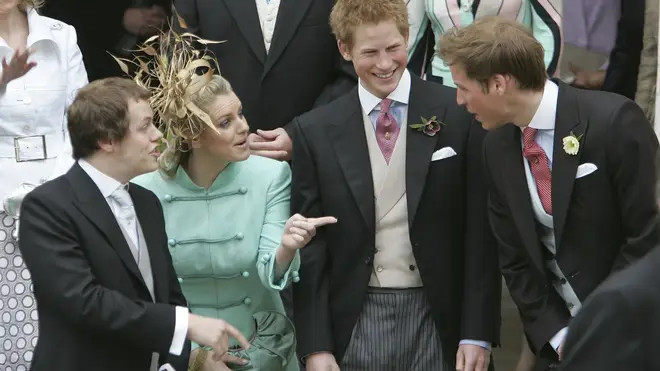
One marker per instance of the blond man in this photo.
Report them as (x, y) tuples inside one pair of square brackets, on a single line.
[(572, 176), (407, 279)]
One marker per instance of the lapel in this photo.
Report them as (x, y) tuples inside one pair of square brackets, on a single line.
[(150, 232), (510, 165), (289, 16), (564, 166), (419, 146), (92, 204), (349, 141), (246, 17)]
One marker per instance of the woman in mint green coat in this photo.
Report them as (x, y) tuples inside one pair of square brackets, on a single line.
[(232, 242)]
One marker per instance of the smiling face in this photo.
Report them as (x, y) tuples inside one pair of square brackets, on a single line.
[(137, 149), (379, 56), (229, 141)]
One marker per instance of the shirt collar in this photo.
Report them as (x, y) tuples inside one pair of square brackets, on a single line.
[(106, 184), (401, 94), (544, 118), (39, 28)]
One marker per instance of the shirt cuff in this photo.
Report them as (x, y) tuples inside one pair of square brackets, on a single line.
[(558, 339), (180, 331), (484, 344)]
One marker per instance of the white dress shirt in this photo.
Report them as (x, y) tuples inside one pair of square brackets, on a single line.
[(108, 185), (35, 104)]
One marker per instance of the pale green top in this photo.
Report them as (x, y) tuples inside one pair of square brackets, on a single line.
[(223, 239)]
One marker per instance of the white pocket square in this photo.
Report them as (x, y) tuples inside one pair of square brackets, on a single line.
[(585, 169), (443, 153)]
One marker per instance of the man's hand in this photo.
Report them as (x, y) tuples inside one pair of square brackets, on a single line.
[(17, 66), (323, 361), (472, 358), (274, 144), (587, 79), (560, 351), (214, 333)]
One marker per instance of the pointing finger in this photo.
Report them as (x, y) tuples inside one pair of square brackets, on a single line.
[(324, 220)]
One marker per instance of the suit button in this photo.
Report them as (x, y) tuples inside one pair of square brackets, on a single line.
[(296, 277), (570, 305), (247, 301), (180, 279), (379, 269), (167, 198), (411, 267), (239, 236), (242, 190), (245, 274), (171, 242), (367, 261), (563, 281)]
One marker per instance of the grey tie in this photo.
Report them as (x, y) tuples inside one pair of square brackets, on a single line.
[(138, 247)]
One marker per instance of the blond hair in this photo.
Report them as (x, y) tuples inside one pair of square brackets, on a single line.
[(178, 153), (347, 15), (494, 45)]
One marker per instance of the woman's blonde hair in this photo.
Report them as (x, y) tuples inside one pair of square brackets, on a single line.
[(177, 153), (27, 4), (183, 85)]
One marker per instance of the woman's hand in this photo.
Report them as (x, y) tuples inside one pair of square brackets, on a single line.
[(17, 66), (298, 230)]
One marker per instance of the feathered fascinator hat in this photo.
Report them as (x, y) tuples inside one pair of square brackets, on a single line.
[(174, 70)]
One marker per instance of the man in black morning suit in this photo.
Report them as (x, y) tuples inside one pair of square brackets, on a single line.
[(280, 57), (408, 278), (107, 294), (618, 327), (571, 173)]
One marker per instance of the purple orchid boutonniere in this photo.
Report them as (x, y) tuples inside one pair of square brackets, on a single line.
[(428, 126)]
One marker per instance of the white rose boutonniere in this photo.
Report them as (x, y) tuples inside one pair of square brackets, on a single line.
[(571, 144)]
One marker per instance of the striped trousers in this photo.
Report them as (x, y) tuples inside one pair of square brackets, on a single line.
[(395, 332)]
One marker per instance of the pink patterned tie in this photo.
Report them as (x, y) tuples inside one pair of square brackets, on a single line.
[(387, 129), (538, 164)]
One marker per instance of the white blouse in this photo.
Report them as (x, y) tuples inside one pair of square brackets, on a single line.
[(33, 107)]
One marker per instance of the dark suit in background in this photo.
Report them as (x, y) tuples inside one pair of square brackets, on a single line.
[(100, 29), (618, 326), (623, 67), (95, 311), (302, 69), (602, 221), (448, 231)]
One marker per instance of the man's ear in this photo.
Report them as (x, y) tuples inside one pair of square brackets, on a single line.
[(344, 50), (107, 145)]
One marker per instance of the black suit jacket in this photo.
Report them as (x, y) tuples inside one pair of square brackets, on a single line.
[(99, 26), (95, 312), (303, 67), (602, 221), (451, 241), (617, 329), (625, 57)]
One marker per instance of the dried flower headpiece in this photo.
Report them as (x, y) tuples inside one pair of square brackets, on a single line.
[(174, 71)]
